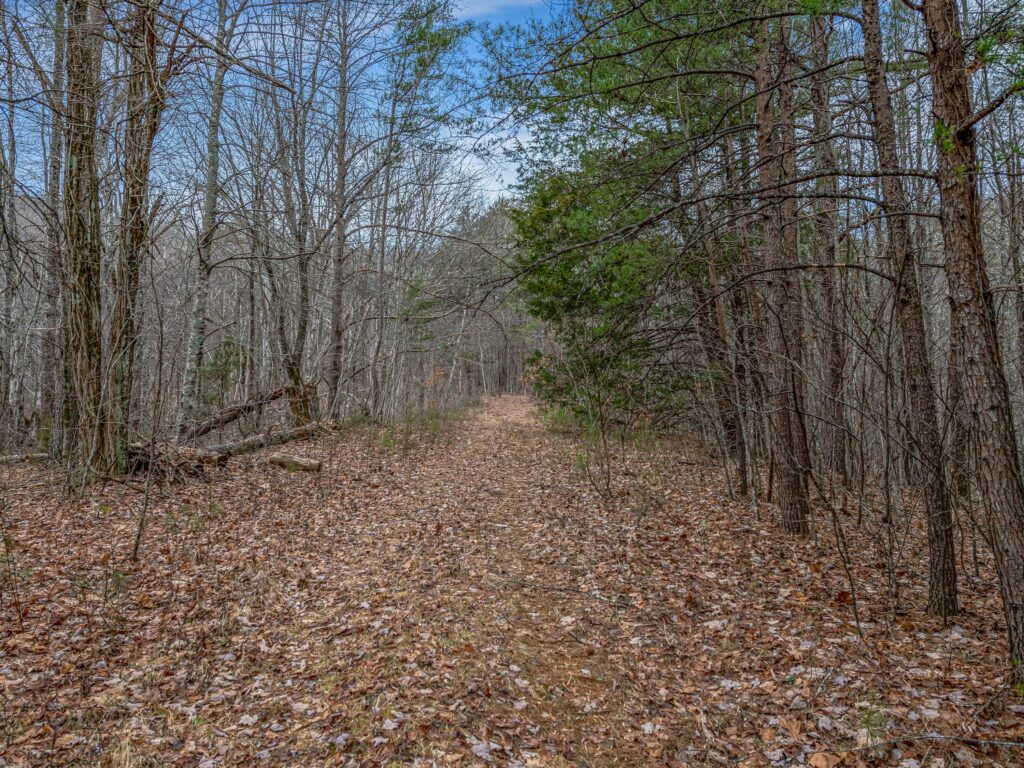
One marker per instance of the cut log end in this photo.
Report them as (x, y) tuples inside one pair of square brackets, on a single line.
[(295, 463)]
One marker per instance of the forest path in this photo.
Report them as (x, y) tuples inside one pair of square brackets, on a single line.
[(457, 596)]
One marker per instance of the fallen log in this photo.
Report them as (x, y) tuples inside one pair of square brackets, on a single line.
[(251, 444), (171, 460), (232, 413), (175, 460), (295, 463), (17, 458)]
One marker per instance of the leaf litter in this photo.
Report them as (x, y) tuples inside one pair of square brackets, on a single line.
[(469, 599)]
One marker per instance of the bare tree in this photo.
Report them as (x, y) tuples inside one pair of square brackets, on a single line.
[(227, 20)]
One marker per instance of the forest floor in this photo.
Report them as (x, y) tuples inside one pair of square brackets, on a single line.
[(464, 596)]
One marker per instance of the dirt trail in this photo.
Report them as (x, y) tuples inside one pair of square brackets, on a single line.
[(463, 597)]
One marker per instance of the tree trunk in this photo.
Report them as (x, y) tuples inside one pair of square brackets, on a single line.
[(189, 406), (88, 442), (834, 351), (783, 326), (958, 423), (376, 396), (144, 107), (925, 435), (341, 214), (986, 391), (793, 313), (52, 393), (10, 250)]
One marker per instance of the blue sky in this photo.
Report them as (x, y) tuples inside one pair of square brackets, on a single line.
[(501, 11), (498, 174)]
